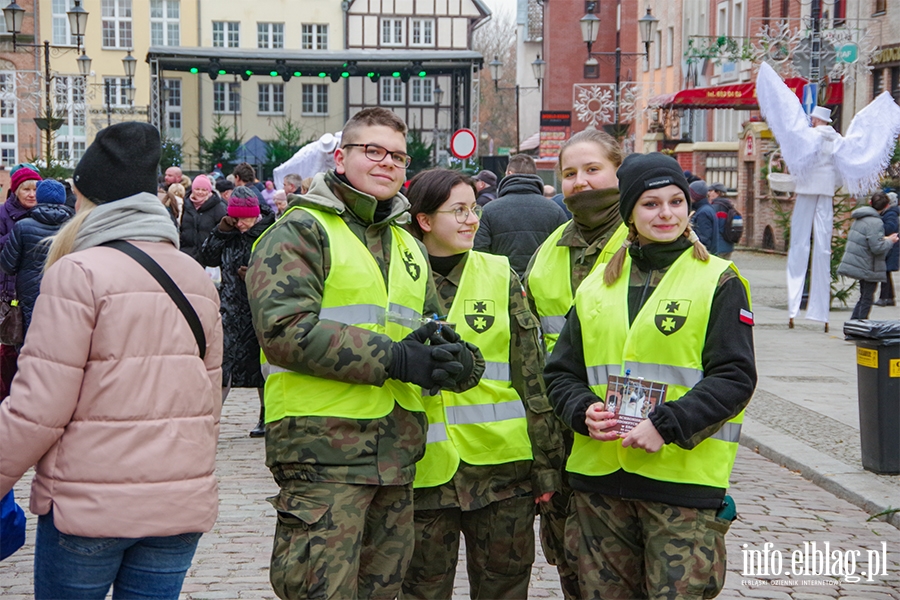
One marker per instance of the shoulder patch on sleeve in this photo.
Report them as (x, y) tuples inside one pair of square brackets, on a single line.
[(746, 317)]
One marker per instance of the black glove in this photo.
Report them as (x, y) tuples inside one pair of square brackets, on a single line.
[(431, 367), (466, 354)]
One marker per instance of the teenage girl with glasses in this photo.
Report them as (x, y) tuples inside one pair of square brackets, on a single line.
[(489, 452)]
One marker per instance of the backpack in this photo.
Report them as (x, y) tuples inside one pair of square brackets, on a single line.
[(733, 226)]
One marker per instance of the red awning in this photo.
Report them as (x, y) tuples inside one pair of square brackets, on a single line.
[(741, 96)]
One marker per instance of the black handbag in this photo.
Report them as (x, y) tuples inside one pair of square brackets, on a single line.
[(12, 324)]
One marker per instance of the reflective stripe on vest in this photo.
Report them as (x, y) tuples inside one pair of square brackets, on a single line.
[(550, 280), (485, 425), (665, 343), (354, 294)]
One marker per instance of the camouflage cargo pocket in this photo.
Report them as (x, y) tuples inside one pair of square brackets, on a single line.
[(299, 548), (708, 579)]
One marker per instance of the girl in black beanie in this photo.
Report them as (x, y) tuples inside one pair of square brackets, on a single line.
[(649, 513)]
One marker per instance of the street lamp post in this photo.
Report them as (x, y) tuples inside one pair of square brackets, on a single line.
[(590, 25), (14, 15), (496, 71), (438, 94)]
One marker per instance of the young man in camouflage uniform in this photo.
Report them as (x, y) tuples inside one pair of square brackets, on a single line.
[(334, 286)]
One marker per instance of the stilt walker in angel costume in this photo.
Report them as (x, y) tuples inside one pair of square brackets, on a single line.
[(821, 161)]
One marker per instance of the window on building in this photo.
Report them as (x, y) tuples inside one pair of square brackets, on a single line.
[(421, 92), (62, 35), (880, 7), (270, 35), (877, 82), (114, 94), (271, 98), (116, 23), (670, 46), (165, 16), (657, 49), (391, 90), (172, 91), (737, 24), (315, 99), (71, 137), (392, 32), (895, 83), (722, 20), (422, 33), (227, 97), (226, 34), (839, 12), (313, 36), (8, 120)]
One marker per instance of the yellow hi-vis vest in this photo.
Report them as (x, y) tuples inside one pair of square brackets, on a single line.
[(485, 425), (355, 294), (550, 280), (665, 343)]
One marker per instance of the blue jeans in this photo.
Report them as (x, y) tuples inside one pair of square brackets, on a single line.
[(76, 567)]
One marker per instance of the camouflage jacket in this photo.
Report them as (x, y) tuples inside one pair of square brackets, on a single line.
[(285, 281), (474, 487)]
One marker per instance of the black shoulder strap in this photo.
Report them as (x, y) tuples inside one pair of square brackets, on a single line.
[(168, 285)]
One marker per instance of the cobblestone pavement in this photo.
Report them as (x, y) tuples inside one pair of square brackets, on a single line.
[(774, 504)]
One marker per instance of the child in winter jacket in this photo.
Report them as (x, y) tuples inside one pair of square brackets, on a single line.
[(866, 248)]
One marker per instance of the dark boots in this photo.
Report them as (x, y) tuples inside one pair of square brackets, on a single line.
[(260, 429)]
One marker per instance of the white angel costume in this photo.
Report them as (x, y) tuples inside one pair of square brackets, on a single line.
[(315, 157), (821, 161)]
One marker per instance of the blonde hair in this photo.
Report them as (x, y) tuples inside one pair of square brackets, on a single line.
[(607, 142), (61, 243), (614, 268), (175, 192), (305, 185)]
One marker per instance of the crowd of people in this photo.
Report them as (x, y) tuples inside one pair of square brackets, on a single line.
[(432, 360)]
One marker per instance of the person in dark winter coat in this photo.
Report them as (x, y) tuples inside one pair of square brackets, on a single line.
[(890, 217), (864, 255), (718, 198), (518, 221), (21, 198), (203, 210), (25, 251), (228, 246), (704, 221)]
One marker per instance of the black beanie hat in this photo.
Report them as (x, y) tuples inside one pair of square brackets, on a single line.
[(642, 172), (121, 162)]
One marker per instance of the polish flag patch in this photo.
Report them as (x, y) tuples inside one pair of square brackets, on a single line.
[(746, 317)]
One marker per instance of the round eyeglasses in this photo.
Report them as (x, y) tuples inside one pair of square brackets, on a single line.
[(376, 153), (461, 213)]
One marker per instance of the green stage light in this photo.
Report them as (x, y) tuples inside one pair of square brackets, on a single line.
[(345, 74), (370, 74), (395, 74), (248, 72), (297, 73), (422, 73), (195, 70), (273, 73), (221, 71), (323, 74)]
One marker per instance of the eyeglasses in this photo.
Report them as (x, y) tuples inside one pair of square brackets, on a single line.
[(376, 153), (462, 213)]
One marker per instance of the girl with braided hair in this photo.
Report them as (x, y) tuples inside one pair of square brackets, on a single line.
[(662, 310)]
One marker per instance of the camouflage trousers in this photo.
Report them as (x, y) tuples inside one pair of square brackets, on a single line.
[(499, 551), (626, 549), (553, 526), (336, 540)]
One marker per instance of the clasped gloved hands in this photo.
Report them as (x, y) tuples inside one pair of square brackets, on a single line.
[(447, 362)]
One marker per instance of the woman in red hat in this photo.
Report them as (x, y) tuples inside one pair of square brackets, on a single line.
[(22, 197)]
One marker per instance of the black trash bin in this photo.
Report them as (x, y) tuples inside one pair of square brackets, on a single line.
[(878, 383)]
